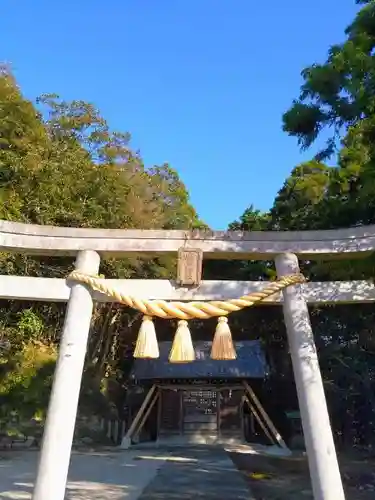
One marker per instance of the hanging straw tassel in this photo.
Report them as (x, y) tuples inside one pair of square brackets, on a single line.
[(182, 348), (222, 345), (147, 344)]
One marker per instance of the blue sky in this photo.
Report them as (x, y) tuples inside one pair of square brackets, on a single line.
[(201, 84)]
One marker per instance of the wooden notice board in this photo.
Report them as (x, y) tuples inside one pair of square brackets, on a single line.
[(189, 266)]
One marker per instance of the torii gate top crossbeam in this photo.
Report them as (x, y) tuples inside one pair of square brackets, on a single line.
[(47, 240)]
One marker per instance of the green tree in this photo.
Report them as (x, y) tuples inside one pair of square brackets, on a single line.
[(295, 206), (339, 93), (60, 164)]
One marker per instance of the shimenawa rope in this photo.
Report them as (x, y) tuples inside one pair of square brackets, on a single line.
[(187, 310)]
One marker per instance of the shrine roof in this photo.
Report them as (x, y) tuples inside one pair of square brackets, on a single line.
[(250, 363)]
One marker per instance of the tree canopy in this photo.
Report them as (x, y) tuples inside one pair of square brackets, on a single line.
[(60, 164), (336, 97)]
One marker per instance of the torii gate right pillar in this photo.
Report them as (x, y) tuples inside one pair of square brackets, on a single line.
[(320, 447)]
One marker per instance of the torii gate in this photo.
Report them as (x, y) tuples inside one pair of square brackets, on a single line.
[(89, 244)]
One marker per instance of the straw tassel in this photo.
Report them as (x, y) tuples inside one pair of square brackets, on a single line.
[(147, 344), (222, 345), (182, 348)]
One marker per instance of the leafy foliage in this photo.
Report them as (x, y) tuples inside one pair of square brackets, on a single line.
[(60, 164), (339, 96), (26, 377)]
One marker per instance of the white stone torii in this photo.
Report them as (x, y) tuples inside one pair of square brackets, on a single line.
[(88, 244)]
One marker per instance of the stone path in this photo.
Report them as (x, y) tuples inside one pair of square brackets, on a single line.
[(153, 474), (200, 473), (92, 475)]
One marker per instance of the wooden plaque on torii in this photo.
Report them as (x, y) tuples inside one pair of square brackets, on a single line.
[(189, 266)]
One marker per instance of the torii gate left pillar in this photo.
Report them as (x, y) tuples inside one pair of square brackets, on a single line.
[(62, 409)]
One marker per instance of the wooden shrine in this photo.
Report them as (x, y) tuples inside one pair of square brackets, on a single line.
[(202, 401)]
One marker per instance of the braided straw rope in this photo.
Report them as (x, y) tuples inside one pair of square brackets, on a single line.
[(188, 310)]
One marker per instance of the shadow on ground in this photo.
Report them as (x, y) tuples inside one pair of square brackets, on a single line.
[(280, 478), (92, 476)]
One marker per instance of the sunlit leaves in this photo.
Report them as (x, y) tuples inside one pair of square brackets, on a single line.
[(340, 92)]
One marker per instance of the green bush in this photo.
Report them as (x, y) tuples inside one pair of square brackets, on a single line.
[(25, 385)]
